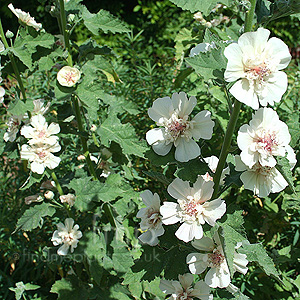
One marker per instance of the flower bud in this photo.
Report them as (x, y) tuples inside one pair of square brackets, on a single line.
[(93, 128), (49, 195), (68, 76), (69, 198), (9, 34)]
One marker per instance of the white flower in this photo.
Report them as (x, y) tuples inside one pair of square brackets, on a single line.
[(151, 219), (2, 92), (265, 137), (13, 128), (178, 129), (68, 76), (214, 258), (183, 290), (257, 62), (259, 179), (212, 162), (40, 156), (192, 208), (25, 17), (202, 47), (39, 108), (66, 235), (39, 132), (69, 198)]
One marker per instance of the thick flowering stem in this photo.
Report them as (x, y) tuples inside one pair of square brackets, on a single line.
[(82, 138), (65, 32), (233, 117), (13, 62)]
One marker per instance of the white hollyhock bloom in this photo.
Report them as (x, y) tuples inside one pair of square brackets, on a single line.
[(40, 156), (260, 179), (39, 108), (67, 235), (68, 76), (39, 132), (265, 137), (192, 208), (13, 128), (25, 17), (212, 162), (214, 258), (183, 290), (177, 127), (151, 219), (2, 93), (202, 48), (69, 198), (256, 63)]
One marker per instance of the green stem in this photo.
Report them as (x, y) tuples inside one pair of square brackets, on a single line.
[(13, 62), (65, 31), (58, 186), (82, 138), (233, 117)]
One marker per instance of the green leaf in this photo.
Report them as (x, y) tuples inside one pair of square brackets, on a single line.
[(284, 167), (258, 254), (282, 8), (71, 288), (199, 5), (21, 288), (294, 128), (158, 176), (231, 232), (103, 20), (189, 171), (18, 107), (33, 217), (86, 191), (183, 41), (208, 64), (123, 134)]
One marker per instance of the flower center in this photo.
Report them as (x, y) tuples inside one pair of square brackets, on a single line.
[(153, 217), (256, 70), (259, 169), (42, 154), (266, 141), (176, 127), (69, 76), (68, 238), (41, 134), (215, 258), (190, 208), (184, 296)]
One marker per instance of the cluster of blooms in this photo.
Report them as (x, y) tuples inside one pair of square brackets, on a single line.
[(256, 62), (42, 144), (25, 17)]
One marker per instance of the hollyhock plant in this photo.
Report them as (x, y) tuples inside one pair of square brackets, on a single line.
[(38, 132), (212, 162), (40, 156), (262, 180), (214, 258), (25, 17), (68, 76), (265, 137), (184, 290), (192, 208), (67, 235), (151, 219), (256, 63), (177, 127)]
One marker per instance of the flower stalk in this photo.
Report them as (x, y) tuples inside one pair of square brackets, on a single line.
[(233, 117), (13, 62)]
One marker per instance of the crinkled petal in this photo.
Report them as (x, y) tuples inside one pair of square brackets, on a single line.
[(169, 213), (204, 244), (179, 189), (186, 150), (202, 125), (161, 108)]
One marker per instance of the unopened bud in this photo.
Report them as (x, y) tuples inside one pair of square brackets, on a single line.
[(49, 195), (71, 18), (93, 127), (9, 34), (81, 157)]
